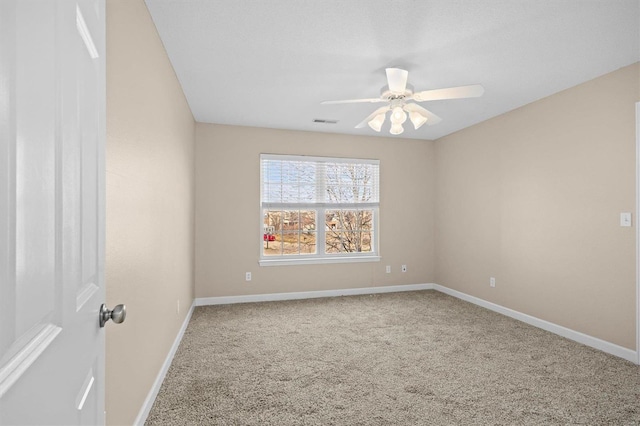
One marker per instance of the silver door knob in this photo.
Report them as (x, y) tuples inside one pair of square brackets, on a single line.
[(118, 314)]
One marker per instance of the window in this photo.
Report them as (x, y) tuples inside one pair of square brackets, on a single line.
[(317, 209)]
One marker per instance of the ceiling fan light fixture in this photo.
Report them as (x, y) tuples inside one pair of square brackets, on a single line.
[(376, 122), (396, 129), (417, 119), (397, 94), (398, 116)]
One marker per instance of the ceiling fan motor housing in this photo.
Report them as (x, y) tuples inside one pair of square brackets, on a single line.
[(388, 95)]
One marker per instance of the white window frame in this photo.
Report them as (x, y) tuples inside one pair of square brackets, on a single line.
[(320, 208)]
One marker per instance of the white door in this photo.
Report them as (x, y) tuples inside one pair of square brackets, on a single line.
[(52, 131)]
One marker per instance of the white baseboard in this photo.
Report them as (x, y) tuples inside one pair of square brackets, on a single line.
[(151, 396), (585, 339), (272, 297)]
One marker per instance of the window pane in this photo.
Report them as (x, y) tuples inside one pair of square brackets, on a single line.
[(288, 181), (272, 219), (290, 243), (271, 237), (366, 220), (307, 193), (308, 232), (308, 220), (291, 221), (308, 242), (349, 220), (289, 232), (332, 243), (348, 242), (289, 192), (348, 231), (350, 183)]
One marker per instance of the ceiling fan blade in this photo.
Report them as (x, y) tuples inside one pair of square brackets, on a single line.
[(352, 101), (431, 117), (472, 91), (373, 114), (397, 79)]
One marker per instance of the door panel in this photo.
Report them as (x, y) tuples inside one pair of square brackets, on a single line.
[(52, 106), (35, 180)]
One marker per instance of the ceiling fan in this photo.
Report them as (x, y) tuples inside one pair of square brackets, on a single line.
[(397, 93)]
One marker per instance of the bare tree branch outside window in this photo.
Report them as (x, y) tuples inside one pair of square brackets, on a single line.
[(348, 230)]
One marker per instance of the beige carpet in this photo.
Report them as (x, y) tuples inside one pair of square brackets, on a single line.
[(418, 358)]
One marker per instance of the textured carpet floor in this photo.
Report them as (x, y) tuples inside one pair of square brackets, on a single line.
[(416, 358)]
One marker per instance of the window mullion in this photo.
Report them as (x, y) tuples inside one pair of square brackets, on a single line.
[(321, 197), (320, 236)]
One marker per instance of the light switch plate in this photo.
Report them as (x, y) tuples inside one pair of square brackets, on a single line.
[(625, 219)]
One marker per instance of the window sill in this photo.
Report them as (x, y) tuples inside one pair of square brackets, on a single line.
[(318, 260)]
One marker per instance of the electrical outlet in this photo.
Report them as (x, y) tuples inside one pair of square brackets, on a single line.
[(404, 268), (492, 282), (247, 276), (388, 269)]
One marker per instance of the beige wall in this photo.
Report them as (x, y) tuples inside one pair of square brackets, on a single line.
[(533, 198), (228, 213), (150, 206)]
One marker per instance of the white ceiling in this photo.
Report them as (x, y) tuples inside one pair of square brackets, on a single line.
[(270, 63)]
